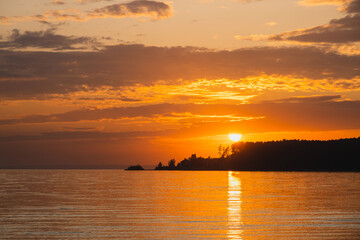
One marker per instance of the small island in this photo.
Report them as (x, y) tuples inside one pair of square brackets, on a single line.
[(135, 167)]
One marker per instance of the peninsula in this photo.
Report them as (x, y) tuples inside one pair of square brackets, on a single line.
[(285, 155)]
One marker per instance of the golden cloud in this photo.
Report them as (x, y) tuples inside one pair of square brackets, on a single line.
[(323, 2), (138, 8)]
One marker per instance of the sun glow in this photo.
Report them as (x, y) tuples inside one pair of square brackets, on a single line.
[(234, 137)]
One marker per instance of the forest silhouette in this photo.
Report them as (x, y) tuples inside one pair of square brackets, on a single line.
[(285, 155)]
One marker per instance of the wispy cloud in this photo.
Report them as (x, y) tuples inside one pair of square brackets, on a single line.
[(155, 10), (91, 1), (46, 39), (58, 2), (322, 2), (314, 99), (138, 8), (271, 23), (248, 0)]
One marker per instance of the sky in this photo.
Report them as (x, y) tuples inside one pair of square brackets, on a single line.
[(89, 83)]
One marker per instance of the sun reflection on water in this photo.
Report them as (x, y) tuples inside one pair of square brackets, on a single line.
[(234, 207)]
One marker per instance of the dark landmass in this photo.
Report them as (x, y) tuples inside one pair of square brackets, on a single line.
[(136, 167), (285, 155)]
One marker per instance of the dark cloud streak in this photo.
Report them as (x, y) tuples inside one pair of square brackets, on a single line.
[(311, 99), (81, 135), (46, 39)]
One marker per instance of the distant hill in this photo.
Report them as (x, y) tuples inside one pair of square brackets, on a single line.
[(285, 155)]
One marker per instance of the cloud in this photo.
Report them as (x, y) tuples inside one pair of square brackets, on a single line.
[(48, 16), (271, 23), (244, 1), (137, 8), (155, 10), (59, 15), (91, 1), (253, 37), (5, 20), (337, 34), (247, 1), (78, 135), (322, 2), (30, 74), (352, 6), (58, 2), (298, 113), (46, 39), (314, 99), (342, 30)]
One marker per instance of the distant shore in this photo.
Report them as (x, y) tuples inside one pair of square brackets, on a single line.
[(342, 155)]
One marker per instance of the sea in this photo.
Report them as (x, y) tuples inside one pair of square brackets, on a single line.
[(118, 204)]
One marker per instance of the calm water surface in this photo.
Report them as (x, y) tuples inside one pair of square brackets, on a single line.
[(100, 204)]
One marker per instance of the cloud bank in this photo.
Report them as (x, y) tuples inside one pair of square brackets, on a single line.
[(30, 74)]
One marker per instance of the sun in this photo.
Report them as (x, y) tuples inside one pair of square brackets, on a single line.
[(234, 137)]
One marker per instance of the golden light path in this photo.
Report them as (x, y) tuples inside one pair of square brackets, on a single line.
[(235, 137), (234, 206)]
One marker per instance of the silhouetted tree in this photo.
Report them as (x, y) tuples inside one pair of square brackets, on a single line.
[(224, 152), (171, 164), (220, 150), (159, 166), (184, 164)]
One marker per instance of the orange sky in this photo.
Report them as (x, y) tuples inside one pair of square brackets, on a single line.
[(114, 83)]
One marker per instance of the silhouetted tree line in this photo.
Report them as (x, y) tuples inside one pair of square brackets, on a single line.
[(285, 155)]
